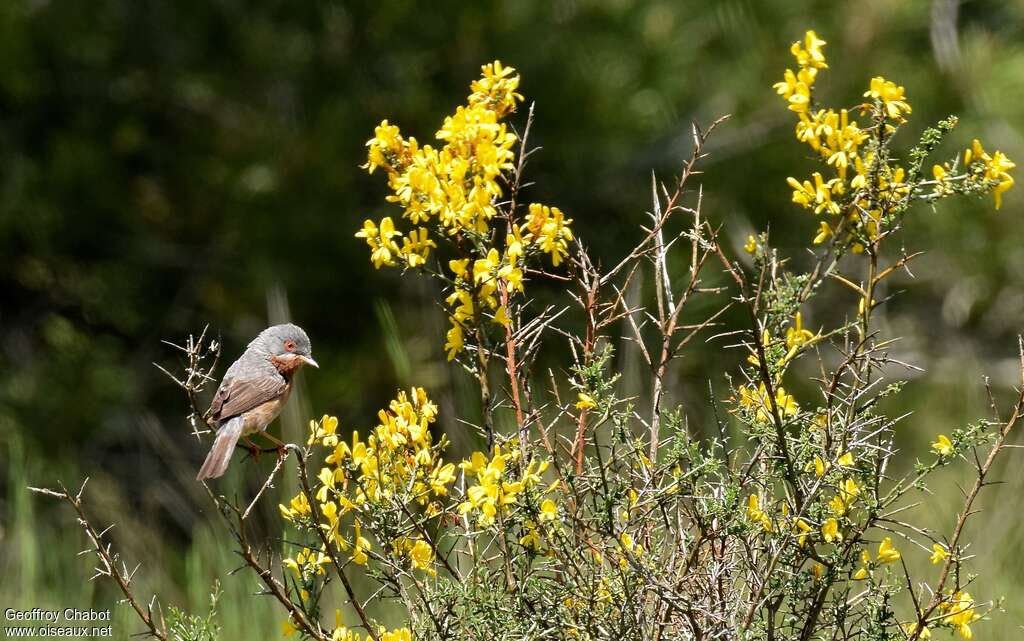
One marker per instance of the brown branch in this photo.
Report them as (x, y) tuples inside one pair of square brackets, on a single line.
[(969, 498), (108, 560), (314, 507)]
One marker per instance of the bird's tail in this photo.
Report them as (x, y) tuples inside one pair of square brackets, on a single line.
[(217, 460)]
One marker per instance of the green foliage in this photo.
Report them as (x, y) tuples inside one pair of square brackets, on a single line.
[(192, 627)]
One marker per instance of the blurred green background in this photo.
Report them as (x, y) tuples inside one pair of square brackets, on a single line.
[(166, 165)]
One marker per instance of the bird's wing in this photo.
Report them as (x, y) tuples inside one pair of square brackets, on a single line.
[(238, 394)]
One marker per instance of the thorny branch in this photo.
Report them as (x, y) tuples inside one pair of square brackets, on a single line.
[(109, 562)]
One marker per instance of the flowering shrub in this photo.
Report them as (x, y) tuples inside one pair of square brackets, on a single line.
[(596, 515), (602, 516)]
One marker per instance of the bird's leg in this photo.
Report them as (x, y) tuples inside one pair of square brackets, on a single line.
[(254, 450), (280, 444)]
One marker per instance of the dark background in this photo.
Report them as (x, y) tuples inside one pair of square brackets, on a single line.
[(167, 165)]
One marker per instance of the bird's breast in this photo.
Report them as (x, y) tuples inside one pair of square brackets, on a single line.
[(259, 417)]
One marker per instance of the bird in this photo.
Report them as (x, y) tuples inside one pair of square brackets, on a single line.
[(253, 391)]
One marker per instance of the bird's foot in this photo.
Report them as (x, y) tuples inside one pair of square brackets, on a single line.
[(254, 450)]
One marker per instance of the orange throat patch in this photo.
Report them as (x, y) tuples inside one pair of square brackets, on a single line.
[(286, 366)]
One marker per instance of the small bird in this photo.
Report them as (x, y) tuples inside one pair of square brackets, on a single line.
[(253, 391)]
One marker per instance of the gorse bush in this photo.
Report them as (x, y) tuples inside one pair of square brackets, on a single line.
[(593, 514)]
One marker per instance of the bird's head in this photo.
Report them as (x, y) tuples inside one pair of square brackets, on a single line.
[(287, 345)]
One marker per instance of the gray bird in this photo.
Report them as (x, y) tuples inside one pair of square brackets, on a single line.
[(254, 390)]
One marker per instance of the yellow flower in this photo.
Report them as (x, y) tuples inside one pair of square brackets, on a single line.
[(891, 96), (756, 515), (817, 196), (360, 547), (997, 170), (830, 531), (496, 89), (342, 633), (846, 460), (860, 574), (911, 628), (810, 54), (381, 241), (299, 507), (422, 556), (326, 478), (785, 402), (803, 530), (441, 477), (386, 149), (959, 613), (453, 340), (501, 316), (548, 510), (837, 505), (459, 267), (484, 268), (796, 89), (751, 245), (492, 491), (994, 168), (416, 247), (759, 401), (585, 401), (547, 228), (398, 634), (942, 445), (820, 467), (287, 628), (886, 552), (849, 490), (939, 172), (797, 335), (531, 539), (824, 233), (626, 540), (939, 553)]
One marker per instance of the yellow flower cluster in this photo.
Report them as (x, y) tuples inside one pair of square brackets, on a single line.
[(548, 229), (796, 87), (845, 497), (398, 463), (890, 96), (495, 489), (418, 551), (453, 193), (548, 517), (843, 146), (959, 613), (477, 284), (457, 184), (838, 140), (342, 632), (887, 553), (307, 562), (760, 402), (992, 168)]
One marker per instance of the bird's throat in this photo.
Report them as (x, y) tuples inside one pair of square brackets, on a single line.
[(286, 366)]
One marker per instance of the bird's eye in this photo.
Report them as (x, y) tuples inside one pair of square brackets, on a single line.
[(289, 346)]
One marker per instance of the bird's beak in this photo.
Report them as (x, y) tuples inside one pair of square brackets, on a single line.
[(308, 360)]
